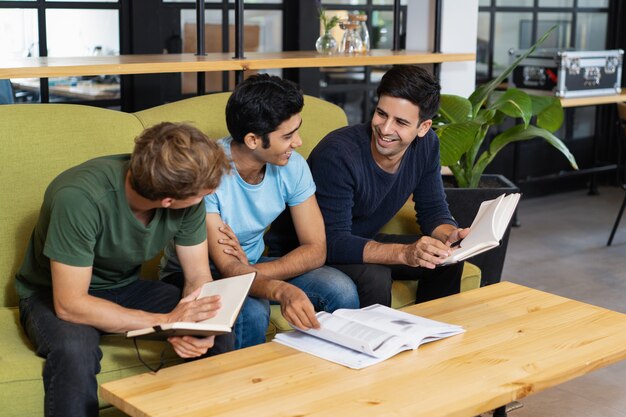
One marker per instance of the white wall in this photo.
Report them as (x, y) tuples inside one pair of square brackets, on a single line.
[(459, 25)]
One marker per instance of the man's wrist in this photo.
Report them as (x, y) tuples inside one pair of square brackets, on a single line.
[(274, 289)]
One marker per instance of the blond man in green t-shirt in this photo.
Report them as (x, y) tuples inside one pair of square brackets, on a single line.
[(98, 223)]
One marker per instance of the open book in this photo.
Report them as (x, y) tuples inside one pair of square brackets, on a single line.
[(364, 337), (233, 292), (487, 229)]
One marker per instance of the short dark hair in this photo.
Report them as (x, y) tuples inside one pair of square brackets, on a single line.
[(414, 84), (260, 104), (175, 160)]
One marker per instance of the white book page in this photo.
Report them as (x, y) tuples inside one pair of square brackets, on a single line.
[(505, 213), (460, 254), (416, 330), (233, 292), (482, 228), (326, 350), (357, 336), (487, 229)]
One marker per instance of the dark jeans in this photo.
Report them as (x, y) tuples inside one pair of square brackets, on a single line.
[(72, 351), (374, 281)]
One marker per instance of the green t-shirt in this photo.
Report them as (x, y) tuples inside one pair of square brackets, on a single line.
[(85, 220)]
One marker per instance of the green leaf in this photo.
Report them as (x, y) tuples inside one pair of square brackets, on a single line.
[(480, 95), (549, 112), (486, 116), (456, 139), (514, 103), (519, 133), (455, 108)]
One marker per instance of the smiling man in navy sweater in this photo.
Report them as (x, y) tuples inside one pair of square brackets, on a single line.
[(365, 173)]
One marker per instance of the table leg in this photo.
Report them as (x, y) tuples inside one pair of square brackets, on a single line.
[(500, 412)]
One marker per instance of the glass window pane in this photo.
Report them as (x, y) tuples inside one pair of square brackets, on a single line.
[(507, 35), (514, 3), (556, 3), (484, 3), (342, 2), (219, 1), (89, 30), (18, 39), (588, 38), (92, 32), (82, 1), (262, 33), (18, 33), (593, 3), (389, 2), (561, 37), (381, 36), (482, 46)]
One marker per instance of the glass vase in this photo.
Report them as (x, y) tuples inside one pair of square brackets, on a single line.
[(351, 42), (326, 44)]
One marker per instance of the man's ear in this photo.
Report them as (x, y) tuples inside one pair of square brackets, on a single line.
[(166, 202), (424, 127), (252, 141)]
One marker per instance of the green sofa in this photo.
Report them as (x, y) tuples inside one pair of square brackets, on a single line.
[(41, 140)]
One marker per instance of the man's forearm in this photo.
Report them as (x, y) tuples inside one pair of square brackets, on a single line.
[(106, 316), (302, 259), (384, 253), (193, 282)]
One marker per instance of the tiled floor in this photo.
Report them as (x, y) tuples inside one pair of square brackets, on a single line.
[(561, 248)]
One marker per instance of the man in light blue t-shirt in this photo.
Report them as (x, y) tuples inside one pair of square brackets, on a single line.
[(263, 118)]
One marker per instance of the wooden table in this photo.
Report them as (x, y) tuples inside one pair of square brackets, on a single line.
[(84, 90), (518, 341)]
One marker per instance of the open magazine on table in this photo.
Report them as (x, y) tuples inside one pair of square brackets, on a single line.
[(358, 338), (487, 229)]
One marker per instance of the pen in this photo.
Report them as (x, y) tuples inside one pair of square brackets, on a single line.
[(457, 243)]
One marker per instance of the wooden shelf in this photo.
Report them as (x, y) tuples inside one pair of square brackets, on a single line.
[(151, 64), (593, 101)]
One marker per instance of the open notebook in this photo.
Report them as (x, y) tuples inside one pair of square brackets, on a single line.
[(233, 292), (487, 229)]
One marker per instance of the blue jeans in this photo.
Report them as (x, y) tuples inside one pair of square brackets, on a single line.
[(327, 288), (72, 351)]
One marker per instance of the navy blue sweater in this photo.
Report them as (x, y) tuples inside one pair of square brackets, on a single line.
[(358, 198)]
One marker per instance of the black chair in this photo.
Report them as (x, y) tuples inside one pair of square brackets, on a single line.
[(621, 110)]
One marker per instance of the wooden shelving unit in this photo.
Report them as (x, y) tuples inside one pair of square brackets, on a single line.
[(593, 101), (170, 63)]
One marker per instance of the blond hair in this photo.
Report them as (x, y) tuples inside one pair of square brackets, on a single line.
[(175, 160)]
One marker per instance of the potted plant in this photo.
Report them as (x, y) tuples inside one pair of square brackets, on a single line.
[(326, 43), (463, 125)]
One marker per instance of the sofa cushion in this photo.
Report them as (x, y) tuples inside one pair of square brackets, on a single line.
[(21, 384), (39, 141), (319, 117)]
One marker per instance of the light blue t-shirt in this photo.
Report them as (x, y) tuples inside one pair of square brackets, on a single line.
[(250, 209)]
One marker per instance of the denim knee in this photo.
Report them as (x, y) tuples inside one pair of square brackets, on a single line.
[(328, 289), (252, 322), (341, 291), (80, 353)]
